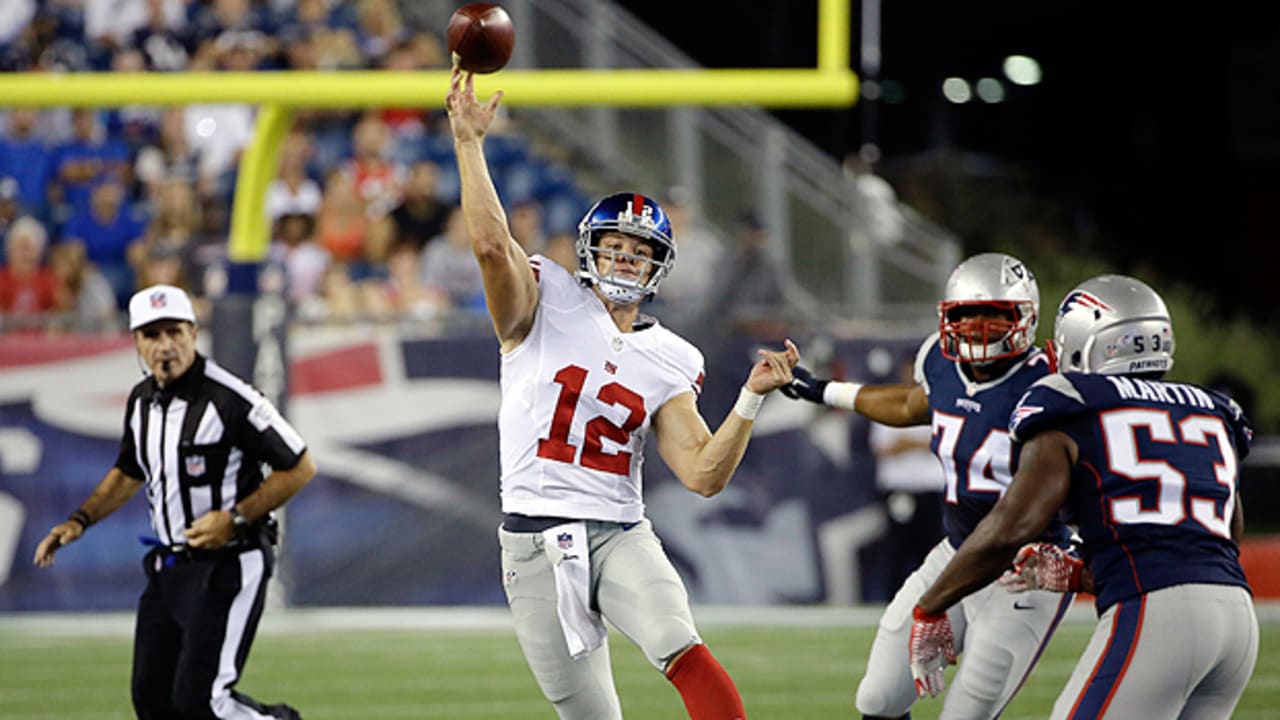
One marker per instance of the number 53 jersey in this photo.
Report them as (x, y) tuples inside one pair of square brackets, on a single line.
[(1154, 486), (578, 397)]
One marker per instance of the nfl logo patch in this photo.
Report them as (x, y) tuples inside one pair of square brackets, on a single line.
[(564, 540), (195, 465), (159, 299)]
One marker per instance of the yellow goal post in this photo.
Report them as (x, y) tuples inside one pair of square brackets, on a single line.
[(830, 84)]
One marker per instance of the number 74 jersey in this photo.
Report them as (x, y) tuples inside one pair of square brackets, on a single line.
[(578, 397), (1154, 488)]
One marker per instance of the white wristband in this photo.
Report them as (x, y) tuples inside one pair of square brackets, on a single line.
[(841, 394), (748, 405)]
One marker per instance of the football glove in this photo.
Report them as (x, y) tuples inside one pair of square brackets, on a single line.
[(933, 648), (1043, 566), (804, 386)]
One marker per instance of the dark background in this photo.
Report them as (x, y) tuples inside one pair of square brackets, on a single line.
[(1151, 142)]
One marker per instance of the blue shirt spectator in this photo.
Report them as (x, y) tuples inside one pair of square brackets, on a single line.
[(80, 163), (24, 157)]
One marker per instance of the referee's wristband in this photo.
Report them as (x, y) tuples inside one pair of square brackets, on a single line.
[(82, 517), (841, 394), (748, 405)]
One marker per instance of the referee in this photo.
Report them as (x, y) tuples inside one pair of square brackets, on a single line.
[(196, 437)]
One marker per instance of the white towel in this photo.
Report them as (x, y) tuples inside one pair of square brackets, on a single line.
[(569, 554)]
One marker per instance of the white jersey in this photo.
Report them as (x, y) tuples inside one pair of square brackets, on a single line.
[(578, 396)]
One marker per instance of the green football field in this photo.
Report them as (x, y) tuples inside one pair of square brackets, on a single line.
[(74, 668)]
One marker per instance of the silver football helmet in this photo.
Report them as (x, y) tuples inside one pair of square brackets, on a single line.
[(985, 282), (1113, 325)]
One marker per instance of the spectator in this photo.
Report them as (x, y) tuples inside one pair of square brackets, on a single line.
[(15, 19), (89, 156), (219, 132), (25, 158), (562, 247), (107, 229), (526, 226), (404, 294), (449, 265), (169, 155), (27, 288), (162, 38), (85, 301), (133, 125), (421, 215), (342, 223), (110, 24), (377, 179), (688, 287), (293, 191), (305, 263), (9, 208), (405, 123), (380, 28)]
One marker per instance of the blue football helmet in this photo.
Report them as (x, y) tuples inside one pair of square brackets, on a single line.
[(635, 215)]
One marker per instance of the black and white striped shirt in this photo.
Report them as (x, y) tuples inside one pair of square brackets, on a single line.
[(200, 443)]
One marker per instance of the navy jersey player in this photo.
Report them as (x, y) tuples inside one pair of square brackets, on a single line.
[(1148, 470), (968, 376)]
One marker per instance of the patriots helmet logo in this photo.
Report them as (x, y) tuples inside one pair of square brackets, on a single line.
[(1082, 299)]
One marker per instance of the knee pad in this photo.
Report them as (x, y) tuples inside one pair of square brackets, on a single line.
[(666, 637), (876, 701)]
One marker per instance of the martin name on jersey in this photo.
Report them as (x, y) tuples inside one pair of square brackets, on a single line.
[(578, 397), (1156, 474)]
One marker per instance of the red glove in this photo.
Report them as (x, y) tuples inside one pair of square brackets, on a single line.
[(1043, 566), (933, 648)]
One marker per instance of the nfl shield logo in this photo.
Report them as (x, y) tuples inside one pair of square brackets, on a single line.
[(564, 540), (195, 465), (159, 299)]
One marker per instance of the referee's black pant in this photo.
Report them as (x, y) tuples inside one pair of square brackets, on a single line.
[(196, 621)]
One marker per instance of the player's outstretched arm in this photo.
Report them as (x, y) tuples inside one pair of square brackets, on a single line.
[(705, 461), (510, 289), (1035, 495), (895, 405), (114, 490)]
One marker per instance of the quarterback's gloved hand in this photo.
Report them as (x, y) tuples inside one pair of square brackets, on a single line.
[(933, 648), (804, 386), (1043, 566)]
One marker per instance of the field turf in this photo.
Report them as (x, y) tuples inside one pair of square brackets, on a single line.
[(70, 668)]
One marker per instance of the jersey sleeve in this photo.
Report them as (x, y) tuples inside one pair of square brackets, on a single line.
[(127, 459), (689, 365), (1241, 428), (272, 437), (922, 354), (1045, 404), (557, 287)]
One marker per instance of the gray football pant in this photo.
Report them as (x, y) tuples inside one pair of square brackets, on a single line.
[(1000, 635), (1186, 651), (633, 585)]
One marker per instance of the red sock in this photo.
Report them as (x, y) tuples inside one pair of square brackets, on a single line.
[(707, 690)]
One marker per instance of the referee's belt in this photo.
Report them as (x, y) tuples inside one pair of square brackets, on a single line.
[(182, 553)]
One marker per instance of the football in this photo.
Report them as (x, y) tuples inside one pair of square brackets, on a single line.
[(481, 37)]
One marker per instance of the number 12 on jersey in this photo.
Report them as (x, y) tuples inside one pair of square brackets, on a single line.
[(556, 445)]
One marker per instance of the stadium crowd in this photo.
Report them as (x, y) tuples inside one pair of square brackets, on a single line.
[(96, 203)]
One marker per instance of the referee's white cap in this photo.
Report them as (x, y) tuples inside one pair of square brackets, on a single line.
[(159, 302)]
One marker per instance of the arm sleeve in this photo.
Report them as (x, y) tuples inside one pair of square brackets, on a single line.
[(273, 439), (127, 459)]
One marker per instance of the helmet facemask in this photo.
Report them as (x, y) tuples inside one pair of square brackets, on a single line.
[(984, 340), (604, 262)]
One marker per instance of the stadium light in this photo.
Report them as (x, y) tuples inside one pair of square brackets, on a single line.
[(957, 90), (1022, 70)]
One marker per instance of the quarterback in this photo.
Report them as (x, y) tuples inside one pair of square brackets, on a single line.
[(585, 378)]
